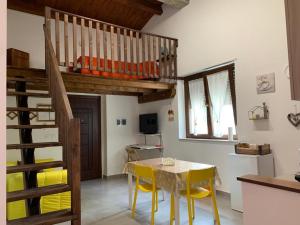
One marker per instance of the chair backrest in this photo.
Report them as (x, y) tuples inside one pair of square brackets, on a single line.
[(145, 172), (196, 176)]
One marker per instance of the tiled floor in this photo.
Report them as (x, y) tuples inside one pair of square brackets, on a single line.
[(105, 202)]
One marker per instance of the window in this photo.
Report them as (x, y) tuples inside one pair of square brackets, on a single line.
[(210, 103)]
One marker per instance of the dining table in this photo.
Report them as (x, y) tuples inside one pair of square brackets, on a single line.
[(170, 178)]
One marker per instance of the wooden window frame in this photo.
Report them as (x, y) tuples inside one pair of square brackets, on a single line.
[(231, 73)]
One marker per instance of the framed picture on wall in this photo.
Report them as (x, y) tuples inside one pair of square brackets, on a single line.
[(265, 83)]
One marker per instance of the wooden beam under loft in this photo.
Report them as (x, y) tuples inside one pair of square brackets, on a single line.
[(145, 90), (157, 96)]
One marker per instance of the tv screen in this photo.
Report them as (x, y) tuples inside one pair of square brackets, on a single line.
[(148, 123)]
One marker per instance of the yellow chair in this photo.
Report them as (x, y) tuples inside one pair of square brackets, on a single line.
[(54, 202), (146, 174), (195, 177)]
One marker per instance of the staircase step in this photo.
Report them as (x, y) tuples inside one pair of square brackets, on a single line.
[(37, 192), (33, 145), (45, 219), (34, 167), (28, 79), (24, 109), (29, 94), (31, 126)]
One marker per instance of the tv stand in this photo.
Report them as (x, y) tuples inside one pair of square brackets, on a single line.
[(143, 151)]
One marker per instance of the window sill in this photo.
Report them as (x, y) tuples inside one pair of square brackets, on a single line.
[(220, 141)]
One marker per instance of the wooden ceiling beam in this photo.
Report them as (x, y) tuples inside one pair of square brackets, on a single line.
[(147, 91), (93, 87), (157, 96), (145, 84), (151, 6)]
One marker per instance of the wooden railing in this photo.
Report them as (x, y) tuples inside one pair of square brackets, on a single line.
[(69, 127), (114, 49)]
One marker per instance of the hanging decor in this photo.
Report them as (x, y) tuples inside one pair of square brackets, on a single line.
[(294, 118), (171, 113)]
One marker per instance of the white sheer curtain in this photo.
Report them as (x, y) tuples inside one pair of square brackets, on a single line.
[(198, 111), (222, 111)]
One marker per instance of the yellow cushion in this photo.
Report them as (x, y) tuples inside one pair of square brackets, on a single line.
[(55, 202), (43, 161), (11, 163), (14, 182)]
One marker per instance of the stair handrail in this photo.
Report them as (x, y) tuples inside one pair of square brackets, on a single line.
[(69, 127)]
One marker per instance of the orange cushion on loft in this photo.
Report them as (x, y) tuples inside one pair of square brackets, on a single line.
[(131, 68)]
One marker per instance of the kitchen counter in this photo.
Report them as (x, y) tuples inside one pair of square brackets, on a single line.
[(287, 183), (274, 201)]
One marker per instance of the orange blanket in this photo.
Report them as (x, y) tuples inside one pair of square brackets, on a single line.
[(131, 68)]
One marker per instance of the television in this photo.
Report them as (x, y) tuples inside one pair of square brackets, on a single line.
[(148, 123)]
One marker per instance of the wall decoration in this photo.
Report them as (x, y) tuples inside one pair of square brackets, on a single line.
[(12, 115), (294, 118), (45, 116), (259, 112), (265, 83), (171, 113)]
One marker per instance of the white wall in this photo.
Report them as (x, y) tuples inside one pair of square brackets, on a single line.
[(3, 31), (25, 32), (120, 107), (254, 33)]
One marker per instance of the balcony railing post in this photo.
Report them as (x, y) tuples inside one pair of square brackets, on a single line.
[(122, 50), (47, 32)]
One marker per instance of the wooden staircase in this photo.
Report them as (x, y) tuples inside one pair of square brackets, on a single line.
[(69, 136)]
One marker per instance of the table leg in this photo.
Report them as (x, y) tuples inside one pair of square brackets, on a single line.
[(212, 204), (177, 208), (129, 190)]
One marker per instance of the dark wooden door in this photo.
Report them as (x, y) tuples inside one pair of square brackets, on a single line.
[(87, 109)]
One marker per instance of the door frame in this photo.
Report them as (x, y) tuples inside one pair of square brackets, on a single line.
[(99, 114)]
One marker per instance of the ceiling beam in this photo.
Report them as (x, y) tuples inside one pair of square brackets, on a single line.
[(157, 96), (151, 6)]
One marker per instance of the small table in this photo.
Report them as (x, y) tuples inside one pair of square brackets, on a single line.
[(169, 178)]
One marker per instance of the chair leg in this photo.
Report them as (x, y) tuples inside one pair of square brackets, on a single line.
[(172, 214), (193, 208), (156, 201), (189, 203), (216, 212), (153, 208), (134, 202), (163, 194)]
